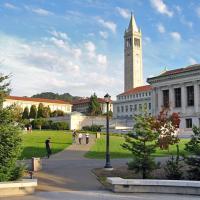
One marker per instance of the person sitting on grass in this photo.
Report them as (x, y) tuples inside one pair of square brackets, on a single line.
[(48, 147)]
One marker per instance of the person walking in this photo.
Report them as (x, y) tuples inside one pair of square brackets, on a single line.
[(87, 137), (48, 147), (74, 136), (80, 136)]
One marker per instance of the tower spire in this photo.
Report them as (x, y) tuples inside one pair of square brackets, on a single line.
[(132, 24)]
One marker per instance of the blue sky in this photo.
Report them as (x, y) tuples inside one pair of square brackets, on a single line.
[(77, 46)]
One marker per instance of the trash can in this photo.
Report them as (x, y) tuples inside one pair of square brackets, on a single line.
[(36, 164), (98, 135)]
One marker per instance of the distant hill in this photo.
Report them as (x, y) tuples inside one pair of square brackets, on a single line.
[(51, 95)]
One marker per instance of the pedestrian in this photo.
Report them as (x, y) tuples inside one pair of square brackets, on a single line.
[(87, 137), (74, 136), (48, 147), (80, 136)]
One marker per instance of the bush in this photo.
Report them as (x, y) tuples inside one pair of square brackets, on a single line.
[(57, 113), (60, 126), (95, 128)]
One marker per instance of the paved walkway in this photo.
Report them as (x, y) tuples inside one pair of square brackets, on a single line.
[(67, 175)]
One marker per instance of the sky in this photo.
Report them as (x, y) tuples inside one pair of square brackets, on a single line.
[(76, 46)]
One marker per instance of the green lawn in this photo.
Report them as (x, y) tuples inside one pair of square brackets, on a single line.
[(116, 151), (34, 143)]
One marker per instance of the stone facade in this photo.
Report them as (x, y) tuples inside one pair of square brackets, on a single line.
[(179, 90), (133, 69), (23, 102)]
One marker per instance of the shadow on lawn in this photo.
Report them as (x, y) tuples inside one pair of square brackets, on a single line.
[(69, 143), (29, 152)]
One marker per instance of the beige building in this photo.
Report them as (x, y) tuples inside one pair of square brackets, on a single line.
[(82, 105), (178, 90), (133, 69), (23, 102)]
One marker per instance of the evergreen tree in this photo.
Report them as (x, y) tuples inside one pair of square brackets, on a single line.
[(25, 114), (142, 144), (193, 147), (33, 112), (10, 138), (46, 112), (94, 106), (40, 111)]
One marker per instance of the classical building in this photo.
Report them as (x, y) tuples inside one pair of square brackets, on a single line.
[(178, 90), (134, 101), (23, 102), (82, 105), (133, 69), (136, 97)]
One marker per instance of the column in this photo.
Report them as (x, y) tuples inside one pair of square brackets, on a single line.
[(171, 98), (153, 102), (196, 97), (183, 98), (160, 99)]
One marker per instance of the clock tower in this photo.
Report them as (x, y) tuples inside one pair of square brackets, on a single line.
[(133, 68)]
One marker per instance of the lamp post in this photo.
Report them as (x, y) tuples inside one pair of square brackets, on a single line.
[(107, 165)]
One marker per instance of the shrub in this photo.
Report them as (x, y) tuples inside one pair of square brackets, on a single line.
[(60, 126), (57, 113), (95, 128)]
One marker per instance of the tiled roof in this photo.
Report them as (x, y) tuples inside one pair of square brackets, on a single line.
[(136, 90), (37, 100), (87, 100), (181, 70)]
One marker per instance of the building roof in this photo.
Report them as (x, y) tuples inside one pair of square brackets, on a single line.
[(179, 70), (37, 100), (87, 100), (132, 24), (136, 90)]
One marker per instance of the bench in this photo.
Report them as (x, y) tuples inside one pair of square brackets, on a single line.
[(154, 186)]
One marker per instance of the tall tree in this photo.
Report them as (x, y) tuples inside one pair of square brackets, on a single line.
[(46, 112), (25, 114), (94, 106), (142, 144), (10, 138), (40, 111), (33, 112), (193, 148)]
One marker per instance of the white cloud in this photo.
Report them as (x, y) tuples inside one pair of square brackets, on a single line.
[(41, 11), (10, 6), (176, 36), (125, 13), (54, 64), (161, 7), (161, 28), (198, 11), (108, 24), (192, 61), (103, 34), (60, 35)]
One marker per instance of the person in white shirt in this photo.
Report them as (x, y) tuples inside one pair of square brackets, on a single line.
[(80, 136)]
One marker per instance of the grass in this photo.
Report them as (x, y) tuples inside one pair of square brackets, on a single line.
[(34, 143), (116, 151)]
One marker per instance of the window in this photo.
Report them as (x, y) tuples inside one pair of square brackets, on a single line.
[(135, 107), (177, 95), (140, 107), (188, 123), (199, 122), (149, 93), (128, 42), (149, 106), (118, 109), (122, 108), (190, 95), (137, 42), (131, 108), (126, 108), (166, 98)]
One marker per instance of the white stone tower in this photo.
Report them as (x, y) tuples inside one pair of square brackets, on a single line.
[(133, 69)]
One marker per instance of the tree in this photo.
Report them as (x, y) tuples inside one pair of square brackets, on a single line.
[(142, 144), (33, 112), (10, 138), (25, 114), (46, 112), (193, 147), (94, 106), (40, 110)]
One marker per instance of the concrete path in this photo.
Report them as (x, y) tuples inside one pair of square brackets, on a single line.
[(67, 175)]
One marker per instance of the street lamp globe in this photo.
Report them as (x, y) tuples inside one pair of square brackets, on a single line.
[(107, 98)]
